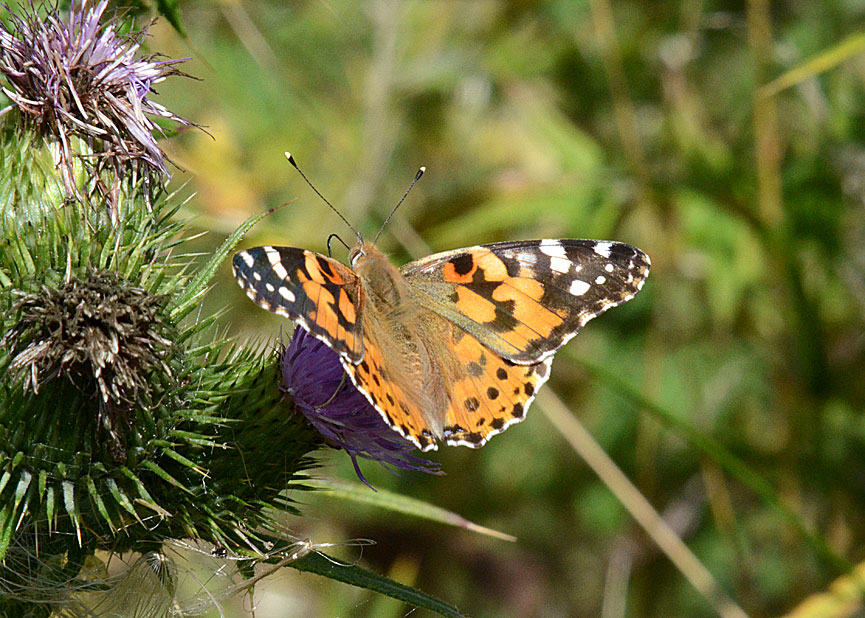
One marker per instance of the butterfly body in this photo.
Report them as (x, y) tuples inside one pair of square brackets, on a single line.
[(454, 346), (411, 339)]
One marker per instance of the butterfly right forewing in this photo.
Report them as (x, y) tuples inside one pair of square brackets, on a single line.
[(526, 299), (319, 293)]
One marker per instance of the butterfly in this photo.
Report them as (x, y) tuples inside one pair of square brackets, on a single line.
[(453, 346)]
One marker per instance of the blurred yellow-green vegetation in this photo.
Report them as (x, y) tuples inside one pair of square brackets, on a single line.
[(730, 391)]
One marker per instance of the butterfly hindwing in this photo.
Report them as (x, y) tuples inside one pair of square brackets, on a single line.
[(491, 393), (398, 409), (485, 393), (319, 293), (525, 299)]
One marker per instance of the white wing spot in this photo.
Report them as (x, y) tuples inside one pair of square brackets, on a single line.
[(553, 248), (279, 270), (256, 275), (609, 268), (286, 294), (603, 249), (269, 287), (527, 258), (247, 258), (560, 264), (600, 280), (579, 287), (272, 255)]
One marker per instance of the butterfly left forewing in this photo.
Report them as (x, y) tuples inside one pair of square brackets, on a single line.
[(525, 299)]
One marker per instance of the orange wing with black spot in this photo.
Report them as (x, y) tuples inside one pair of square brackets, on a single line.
[(317, 292), (526, 299), (400, 410), (490, 395), (486, 393)]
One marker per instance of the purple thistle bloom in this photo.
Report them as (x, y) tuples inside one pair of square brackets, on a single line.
[(313, 376), (75, 77)]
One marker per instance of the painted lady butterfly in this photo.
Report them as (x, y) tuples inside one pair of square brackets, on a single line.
[(453, 346)]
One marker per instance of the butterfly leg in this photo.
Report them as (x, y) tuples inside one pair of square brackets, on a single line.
[(331, 237), (335, 393)]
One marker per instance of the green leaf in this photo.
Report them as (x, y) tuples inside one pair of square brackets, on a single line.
[(120, 497), (71, 506), (25, 262), (183, 460), (402, 504), (161, 473), (139, 485), (324, 565), (100, 504), (169, 10), (6, 528), (49, 505), (853, 45), (23, 486), (4, 480)]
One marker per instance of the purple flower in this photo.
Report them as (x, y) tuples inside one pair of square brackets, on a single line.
[(313, 376), (77, 78)]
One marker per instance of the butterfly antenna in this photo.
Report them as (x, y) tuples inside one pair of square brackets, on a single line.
[(405, 195), (318, 193)]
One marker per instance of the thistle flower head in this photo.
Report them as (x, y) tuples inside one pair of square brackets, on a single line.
[(313, 376), (79, 78)]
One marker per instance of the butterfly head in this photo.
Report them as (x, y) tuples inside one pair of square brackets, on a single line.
[(382, 280), (363, 251)]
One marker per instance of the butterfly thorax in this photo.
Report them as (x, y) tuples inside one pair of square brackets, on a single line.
[(410, 336), (386, 289)]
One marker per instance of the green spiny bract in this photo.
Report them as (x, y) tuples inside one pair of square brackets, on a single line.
[(123, 422)]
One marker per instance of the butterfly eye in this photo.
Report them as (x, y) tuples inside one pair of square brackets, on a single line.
[(354, 254)]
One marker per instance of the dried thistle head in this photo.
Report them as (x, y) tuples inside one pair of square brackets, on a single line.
[(76, 78), (100, 333)]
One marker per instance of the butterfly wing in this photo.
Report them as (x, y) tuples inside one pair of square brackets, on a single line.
[(376, 377), (526, 299), (502, 310), (317, 292), (470, 395), (490, 395)]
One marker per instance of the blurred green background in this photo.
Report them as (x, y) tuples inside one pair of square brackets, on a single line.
[(635, 121)]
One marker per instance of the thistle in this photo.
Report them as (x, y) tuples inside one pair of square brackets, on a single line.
[(104, 335), (125, 425), (80, 84), (122, 423)]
